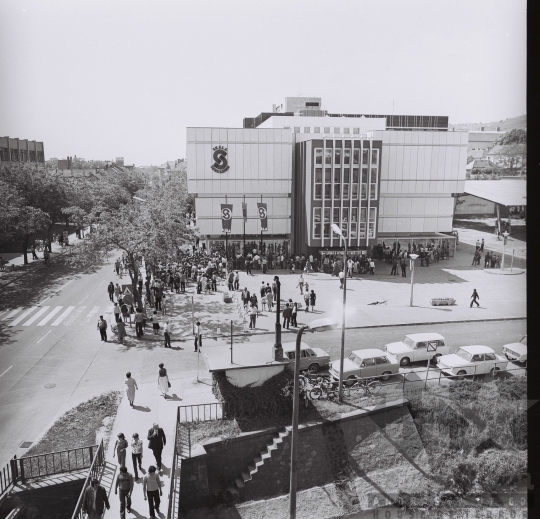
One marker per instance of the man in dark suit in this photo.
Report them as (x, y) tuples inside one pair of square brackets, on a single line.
[(156, 442), (245, 296), (95, 500), (287, 313)]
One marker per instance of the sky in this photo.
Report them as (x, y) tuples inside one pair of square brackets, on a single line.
[(101, 79)]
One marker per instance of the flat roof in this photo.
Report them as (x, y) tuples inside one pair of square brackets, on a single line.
[(250, 355), (506, 191)]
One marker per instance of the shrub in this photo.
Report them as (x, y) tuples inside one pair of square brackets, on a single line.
[(464, 389), (463, 476), (500, 468), (514, 388)]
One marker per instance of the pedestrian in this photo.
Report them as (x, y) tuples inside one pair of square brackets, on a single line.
[(274, 289), (394, 266), (156, 442), (131, 384), (110, 290), (164, 304), (95, 500), (151, 487), (269, 301), (230, 280), (306, 300), (312, 299), (124, 481), (117, 291), (139, 319), (34, 255), (487, 259), (116, 312), (214, 282), (287, 316), (102, 327), (474, 298), (498, 262), (371, 267), (301, 284), (198, 335), (341, 277), (248, 265), (252, 316), (136, 454), (482, 246), (121, 331), (294, 313), (120, 449), (403, 264), (183, 281), (236, 280), (125, 312), (493, 260), (167, 334), (163, 380), (478, 245), (262, 290), (155, 322)]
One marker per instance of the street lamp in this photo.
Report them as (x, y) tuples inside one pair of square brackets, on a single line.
[(278, 348), (339, 232), (412, 258), (505, 236)]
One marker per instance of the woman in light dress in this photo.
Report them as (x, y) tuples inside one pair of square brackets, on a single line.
[(131, 387), (163, 380), (120, 449)]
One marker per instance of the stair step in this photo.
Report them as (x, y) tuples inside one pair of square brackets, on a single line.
[(246, 475), (252, 467), (265, 456), (257, 459), (239, 483)]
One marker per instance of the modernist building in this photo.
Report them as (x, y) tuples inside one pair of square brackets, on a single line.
[(380, 178), (21, 150)]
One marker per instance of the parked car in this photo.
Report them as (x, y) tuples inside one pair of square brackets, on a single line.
[(516, 351), (366, 364), (416, 347), (312, 359), (472, 360)]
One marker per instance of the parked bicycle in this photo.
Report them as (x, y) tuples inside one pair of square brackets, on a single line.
[(368, 386), (324, 388)]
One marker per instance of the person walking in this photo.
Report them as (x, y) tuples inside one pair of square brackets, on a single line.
[(33, 250), (403, 264), (294, 314), (155, 322), (139, 318), (120, 449), (252, 317), (269, 300), (198, 335), (124, 482), (167, 334), (312, 299), (116, 312), (287, 316), (475, 298), (110, 290), (95, 500), (301, 284), (136, 454), (371, 267), (248, 265), (478, 245), (117, 291), (152, 490), (121, 331), (487, 259), (163, 380), (236, 280), (341, 277), (306, 300), (102, 327), (482, 246), (393, 272), (131, 384), (156, 442)]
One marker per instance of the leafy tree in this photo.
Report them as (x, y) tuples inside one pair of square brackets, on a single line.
[(513, 152), (515, 136)]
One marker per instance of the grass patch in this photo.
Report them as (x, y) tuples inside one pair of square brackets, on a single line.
[(202, 431)]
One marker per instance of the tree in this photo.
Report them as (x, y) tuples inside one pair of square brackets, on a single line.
[(513, 152)]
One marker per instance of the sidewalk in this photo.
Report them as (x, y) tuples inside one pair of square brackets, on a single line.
[(150, 407)]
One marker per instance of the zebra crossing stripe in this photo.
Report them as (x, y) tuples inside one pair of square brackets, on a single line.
[(75, 316), (24, 315), (36, 316), (12, 313), (50, 316), (91, 314), (63, 315)]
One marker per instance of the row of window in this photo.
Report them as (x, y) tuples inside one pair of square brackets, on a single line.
[(345, 154), (351, 228), (23, 155), (326, 129), (343, 185)]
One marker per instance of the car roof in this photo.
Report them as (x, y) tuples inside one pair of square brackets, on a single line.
[(369, 352), (477, 348), (291, 346), (418, 337)]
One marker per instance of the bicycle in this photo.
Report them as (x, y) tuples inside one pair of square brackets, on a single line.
[(324, 389), (369, 386)]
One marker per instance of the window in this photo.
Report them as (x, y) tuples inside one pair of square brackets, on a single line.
[(345, 214), (291, 355), (374, 157), (326, 129), (312, 103), (346, 182), (307, 129), (477, 358), (354, 222), (364, 183), (328, 156), (354, 214), (421, 345), (345, 230), (381, 360), (336, 130), (337, 156), (355, 184), (490, 356), (356, 131), (317, 129), (297, 129), (327, 183), (316, 222), (373, 184), (368, 362), (371, 226), (365, 156), (346, 156), (318, 155), (327, 215), (337, 183), (346, 130), (362, 222), (356, 156), (335, 215), (326, 229), (318, 184)]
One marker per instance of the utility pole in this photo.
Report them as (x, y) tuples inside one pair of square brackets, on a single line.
[(278, 348)]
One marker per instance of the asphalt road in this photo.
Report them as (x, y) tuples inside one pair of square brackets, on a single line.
[(51, 356)]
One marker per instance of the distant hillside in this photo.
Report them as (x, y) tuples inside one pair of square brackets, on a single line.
[(506, 125)]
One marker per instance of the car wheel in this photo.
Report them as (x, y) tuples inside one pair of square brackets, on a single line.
[(461, 373), (313, 368), (315, 393), (405, 361), (350, 381), (435, 357), (494, 372), (386, 375)]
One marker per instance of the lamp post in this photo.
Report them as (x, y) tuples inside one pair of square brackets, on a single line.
[(278, 348), (294, 439), (505, 236), (412, 258), (339, 232)]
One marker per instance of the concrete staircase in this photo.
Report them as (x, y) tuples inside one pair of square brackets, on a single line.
[(264, 456)]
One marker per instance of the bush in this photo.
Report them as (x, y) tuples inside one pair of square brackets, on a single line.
[(463, 476), (249, 401), (514, 388), (500, 468)]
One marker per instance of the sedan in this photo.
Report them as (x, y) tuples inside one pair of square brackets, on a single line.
[(366, 363), (472, 360), (517, 351)]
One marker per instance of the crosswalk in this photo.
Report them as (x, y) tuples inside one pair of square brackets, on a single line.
[(53, 315)]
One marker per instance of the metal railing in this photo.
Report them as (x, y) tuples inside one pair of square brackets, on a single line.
[(174, 493), (95, 472), (202, 412), (8, 477)]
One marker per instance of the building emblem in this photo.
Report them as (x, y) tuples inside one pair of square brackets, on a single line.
[(226, 213), (221, 164)]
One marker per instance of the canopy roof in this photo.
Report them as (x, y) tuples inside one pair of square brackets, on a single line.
[(506, 191)]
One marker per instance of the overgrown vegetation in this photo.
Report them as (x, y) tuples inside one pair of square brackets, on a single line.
[(201, 431)]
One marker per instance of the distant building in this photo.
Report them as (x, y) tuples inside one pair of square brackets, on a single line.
[(21, 150), (119, 161), (481, 140)]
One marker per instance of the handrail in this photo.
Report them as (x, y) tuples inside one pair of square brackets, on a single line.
[(172, 492), (97, 463), (203, 412)]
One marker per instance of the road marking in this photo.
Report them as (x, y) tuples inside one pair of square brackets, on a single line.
[(44, 337), (63, 286), (5, 313), (39, 304), (83, 299), (63, 315), (101, 283), (6, 371), (50, 316), (11, 314), (36, 316), (75, 316), (93, 312), (24, 315)]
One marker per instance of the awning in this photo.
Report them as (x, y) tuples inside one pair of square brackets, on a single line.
[(507, 192)]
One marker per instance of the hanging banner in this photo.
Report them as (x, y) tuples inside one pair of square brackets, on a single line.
[(226, 217), (263, 216), (244, 211)]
